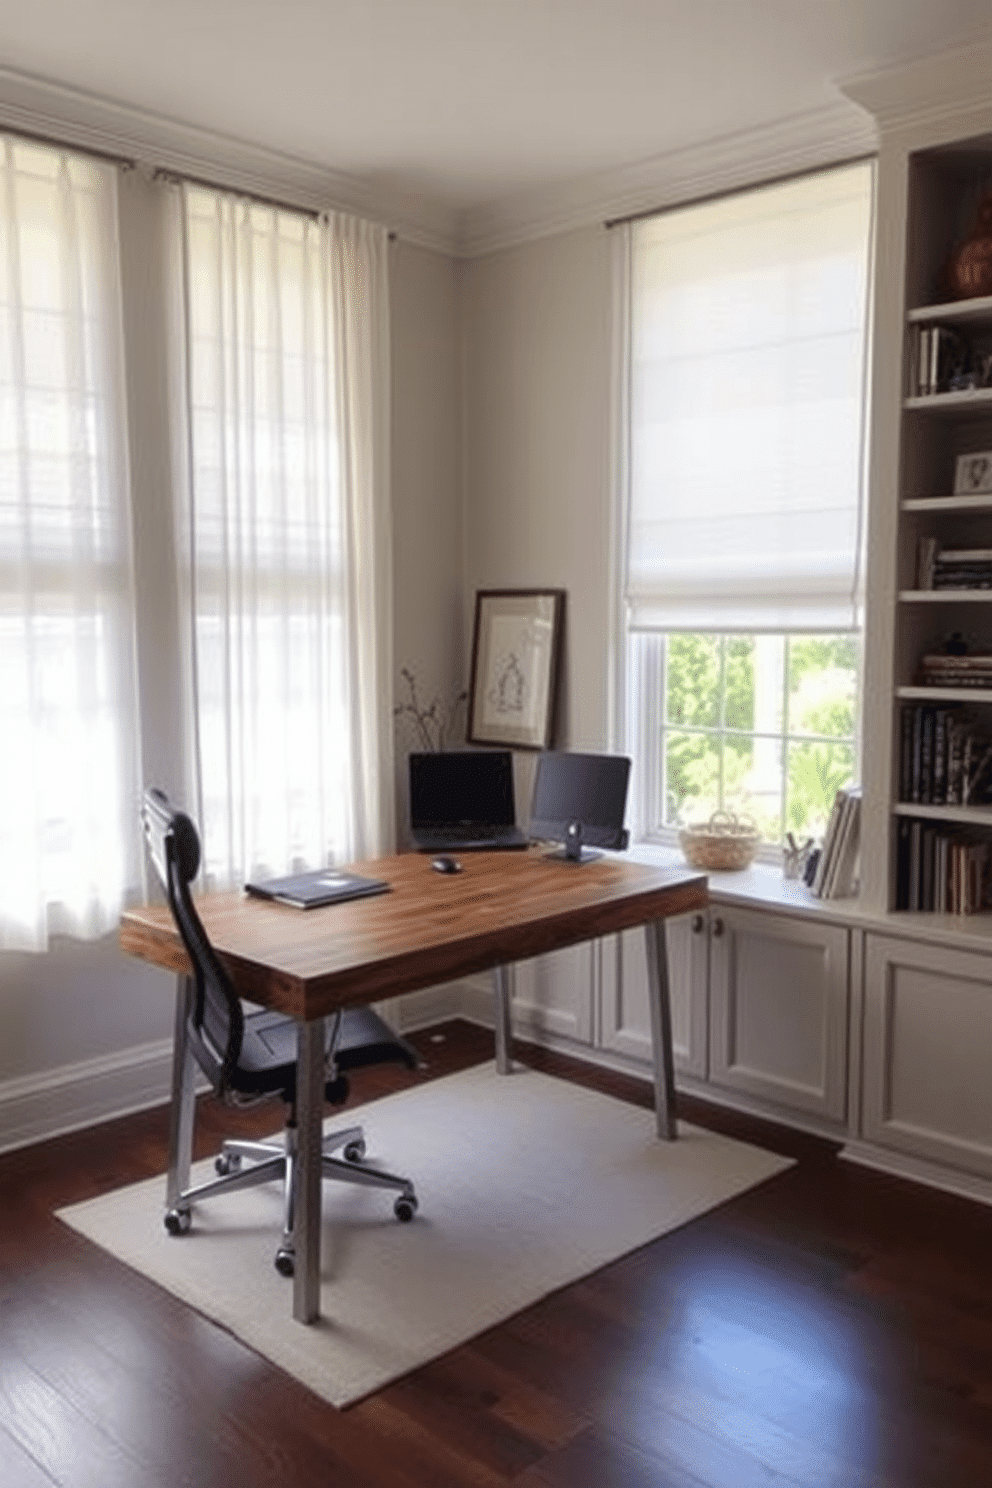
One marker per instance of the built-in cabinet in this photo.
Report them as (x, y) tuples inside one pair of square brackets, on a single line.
[(760, 1007), (837, 1024), (928, 1053)]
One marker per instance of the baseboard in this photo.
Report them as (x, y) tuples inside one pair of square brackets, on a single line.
[(37, 1107), (918, 1170)]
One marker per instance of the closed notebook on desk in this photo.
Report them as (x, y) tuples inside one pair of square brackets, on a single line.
[(311, 890), (462, 799)]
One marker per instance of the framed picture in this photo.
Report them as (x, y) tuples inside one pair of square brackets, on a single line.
[(516, 645), (973, 474)]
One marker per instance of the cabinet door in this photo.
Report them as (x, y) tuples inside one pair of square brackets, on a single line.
[(625, 1024), (779, 1010), (928, 1052), (554, 994)]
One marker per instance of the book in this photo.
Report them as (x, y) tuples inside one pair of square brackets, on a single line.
[(312, 890)]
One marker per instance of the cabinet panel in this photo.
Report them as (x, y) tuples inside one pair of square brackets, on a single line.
[(625, 1018), (554, 994), (928, 1052), (779, 1010)]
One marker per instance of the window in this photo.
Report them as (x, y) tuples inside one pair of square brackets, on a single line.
[(745, 534), (67, 779)]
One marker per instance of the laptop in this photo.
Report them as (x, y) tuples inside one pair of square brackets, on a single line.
[(462, 799), (313, 890)]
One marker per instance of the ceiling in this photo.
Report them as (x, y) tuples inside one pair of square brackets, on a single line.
[(467, 103)]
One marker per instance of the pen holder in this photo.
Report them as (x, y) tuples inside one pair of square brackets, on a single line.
[(795, 858)]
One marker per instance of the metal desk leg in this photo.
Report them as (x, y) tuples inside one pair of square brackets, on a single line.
[(309, 1111), (183, 1107), (504, 1040), (661, 1030)]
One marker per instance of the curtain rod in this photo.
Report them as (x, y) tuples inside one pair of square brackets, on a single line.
[(711, 196), (36, 138), (161, 173)]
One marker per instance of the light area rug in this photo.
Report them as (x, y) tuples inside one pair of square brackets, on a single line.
[(525, 1183)]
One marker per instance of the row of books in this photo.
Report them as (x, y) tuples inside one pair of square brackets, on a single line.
[(836, 875), (953, 568), (940, 669), (942, 869), (945, 757), (943, 361)]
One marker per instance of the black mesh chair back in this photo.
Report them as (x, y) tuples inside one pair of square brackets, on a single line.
[(216, 1026)]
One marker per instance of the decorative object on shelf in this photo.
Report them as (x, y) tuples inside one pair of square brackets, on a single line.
[(795, 856), (516, 645), (973, 474), (968, 272), (724, 844), (431, 724)]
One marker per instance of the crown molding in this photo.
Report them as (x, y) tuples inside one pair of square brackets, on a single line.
[(928, 93), (33, 105), (802, 142)]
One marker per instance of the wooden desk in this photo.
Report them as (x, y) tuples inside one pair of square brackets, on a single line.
[(503, 907)]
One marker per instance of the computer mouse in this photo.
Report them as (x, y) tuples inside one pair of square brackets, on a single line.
[(446, 865)]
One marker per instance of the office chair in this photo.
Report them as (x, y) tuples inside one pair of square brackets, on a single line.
[(249, 1055)]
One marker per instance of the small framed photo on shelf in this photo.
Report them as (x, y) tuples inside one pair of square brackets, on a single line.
[(516, 645), (973, 474)]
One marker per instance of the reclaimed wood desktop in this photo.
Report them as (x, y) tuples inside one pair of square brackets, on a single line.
[(431, 928)]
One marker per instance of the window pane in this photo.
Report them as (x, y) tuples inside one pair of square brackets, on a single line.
[(823, 684), (694, 682), (692, 777), (816, 772)]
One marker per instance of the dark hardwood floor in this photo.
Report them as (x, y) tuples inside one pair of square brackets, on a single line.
[(831, 1327)]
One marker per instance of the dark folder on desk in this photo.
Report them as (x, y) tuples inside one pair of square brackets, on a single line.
[(462, 799)]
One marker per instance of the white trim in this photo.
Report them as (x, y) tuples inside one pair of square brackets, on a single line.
[(37, 106), (36, 1107), (800, 143), (899, 1165), (928, 92)]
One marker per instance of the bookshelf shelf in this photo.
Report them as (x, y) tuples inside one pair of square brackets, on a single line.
[(975, 505), (974, 312), (945, 694), (945, 596), (963, 815)]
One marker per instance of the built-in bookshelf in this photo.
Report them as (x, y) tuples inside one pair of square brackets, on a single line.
[(941, 806)]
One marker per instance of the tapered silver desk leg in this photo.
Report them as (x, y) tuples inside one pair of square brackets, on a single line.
[(309, 1111), (501, 998), (183, 1107), (661, 1030)]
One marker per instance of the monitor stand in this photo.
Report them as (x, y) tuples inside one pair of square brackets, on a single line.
[(573, 851)]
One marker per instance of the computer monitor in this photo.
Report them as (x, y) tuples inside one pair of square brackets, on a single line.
[(580, 799)]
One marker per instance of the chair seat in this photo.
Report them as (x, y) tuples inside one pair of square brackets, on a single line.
[(267, 1062)]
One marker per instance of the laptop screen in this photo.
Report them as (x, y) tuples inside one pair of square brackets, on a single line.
[(461, 786)]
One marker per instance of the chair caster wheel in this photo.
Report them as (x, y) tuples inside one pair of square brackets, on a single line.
[(178, 1221), (227, 1162), (285, 1262), (355, 1151), (405, 1207)]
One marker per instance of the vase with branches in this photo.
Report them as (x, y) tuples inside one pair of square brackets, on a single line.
[(432, 724)]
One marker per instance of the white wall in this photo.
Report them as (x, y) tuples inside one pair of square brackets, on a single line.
[(428, 532), (84, 1030), (537, 330)]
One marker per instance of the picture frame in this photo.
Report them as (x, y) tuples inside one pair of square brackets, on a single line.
[(973, 474), (516, 650)]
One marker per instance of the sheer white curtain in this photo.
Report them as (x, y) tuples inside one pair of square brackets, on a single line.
[(749, 322), (286, 531), (68, 777)]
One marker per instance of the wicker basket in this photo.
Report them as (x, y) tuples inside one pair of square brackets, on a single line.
[(725, 843)]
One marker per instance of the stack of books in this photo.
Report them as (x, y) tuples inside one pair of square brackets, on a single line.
[(953, 568), (938, 669), (836, 875), (942, 869), (942, 362), (945, 757)]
